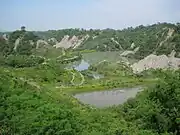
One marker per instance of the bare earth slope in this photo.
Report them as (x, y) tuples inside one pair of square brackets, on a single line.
[(156, 62)]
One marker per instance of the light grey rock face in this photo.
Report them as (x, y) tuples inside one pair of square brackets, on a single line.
[(5, 37), (73, 42), (172, 54), (156, 62), (132, 46), (136, 49), (94, 37), (112, 39), (81, 41), (169, 35), (53, 40), (125, 53), (31, 42), (40, 43), (17, 42), (64, 43)]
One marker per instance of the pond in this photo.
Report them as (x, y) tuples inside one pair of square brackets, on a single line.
[(83, 65), (107, 98)]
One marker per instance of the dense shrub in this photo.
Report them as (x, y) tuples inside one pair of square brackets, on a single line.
[(20, 61), (158, 107)]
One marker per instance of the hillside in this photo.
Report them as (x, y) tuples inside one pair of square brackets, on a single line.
[(41, 72), (139, 41)]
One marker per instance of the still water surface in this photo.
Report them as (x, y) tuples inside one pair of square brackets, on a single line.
[(107, 98), (83, 65)]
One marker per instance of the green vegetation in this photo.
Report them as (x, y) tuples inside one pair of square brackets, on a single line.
[(159, 38), (36, 86), (157, 108), (30, 109), (20, 61)]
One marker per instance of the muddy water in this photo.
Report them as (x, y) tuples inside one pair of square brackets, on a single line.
[(107, 98)]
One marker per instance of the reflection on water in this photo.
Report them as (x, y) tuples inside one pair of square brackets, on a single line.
[(83, 65), (107, 98)]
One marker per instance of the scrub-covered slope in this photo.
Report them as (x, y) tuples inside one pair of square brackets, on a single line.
[(139, 41)]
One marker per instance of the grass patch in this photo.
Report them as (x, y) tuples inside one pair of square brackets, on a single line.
[(101, 87)]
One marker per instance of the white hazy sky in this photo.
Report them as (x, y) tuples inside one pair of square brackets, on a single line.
[(58, 14)]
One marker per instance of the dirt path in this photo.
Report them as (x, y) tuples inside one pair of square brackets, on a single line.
[(82, 78), (63, 53), (73, 78), (34, 84), (75, 57)]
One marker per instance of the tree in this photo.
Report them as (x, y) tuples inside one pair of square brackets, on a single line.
[(5, 47), (23, 28)]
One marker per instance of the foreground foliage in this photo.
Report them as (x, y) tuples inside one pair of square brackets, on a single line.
[(30, 102), (26, 109), (158, 107)]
